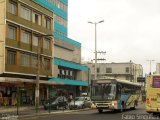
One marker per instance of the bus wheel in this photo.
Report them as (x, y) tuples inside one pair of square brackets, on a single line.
[(100, 110), (134, 106), (122, 108)]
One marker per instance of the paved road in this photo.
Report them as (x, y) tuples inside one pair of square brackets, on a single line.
[(138, 114)]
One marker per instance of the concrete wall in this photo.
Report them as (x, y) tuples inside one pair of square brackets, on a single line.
[(68, 55), (118, 70), (2, 35), (55, 71), (82, 75)]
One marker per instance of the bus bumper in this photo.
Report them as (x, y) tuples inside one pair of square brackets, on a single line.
[(106, 107), (152, 110)]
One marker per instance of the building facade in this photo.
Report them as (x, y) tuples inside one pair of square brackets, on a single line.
[(26, 27), (126, 71), (23, 23), (67, 53)]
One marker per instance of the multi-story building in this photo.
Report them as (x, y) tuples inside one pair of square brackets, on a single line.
[(67, 52), (125, 71), (22, 25)]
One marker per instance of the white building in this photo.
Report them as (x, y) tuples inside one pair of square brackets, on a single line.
[(125, 71)]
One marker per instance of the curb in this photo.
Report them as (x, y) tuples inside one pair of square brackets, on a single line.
[(54, 113)]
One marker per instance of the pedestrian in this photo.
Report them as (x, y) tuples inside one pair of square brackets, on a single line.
[(31, 100), (70, 97)]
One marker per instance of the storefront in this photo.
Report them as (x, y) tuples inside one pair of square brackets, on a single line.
[(7, 94), (10, 87), (68, 87)]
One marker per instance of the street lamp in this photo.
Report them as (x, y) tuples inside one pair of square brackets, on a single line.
[(150, 62), (38, 67), (95, 69)]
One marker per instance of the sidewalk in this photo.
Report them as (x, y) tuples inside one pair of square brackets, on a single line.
[(8, 109), (29, 111)]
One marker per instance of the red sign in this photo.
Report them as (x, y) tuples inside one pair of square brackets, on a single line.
[(156, 82)]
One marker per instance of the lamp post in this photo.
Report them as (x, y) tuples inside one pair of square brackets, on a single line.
[(150, 62), (95, 68), (40, 37)]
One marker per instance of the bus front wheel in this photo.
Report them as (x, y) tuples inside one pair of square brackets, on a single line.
[(122, 108), (100, 110), (134, 107)]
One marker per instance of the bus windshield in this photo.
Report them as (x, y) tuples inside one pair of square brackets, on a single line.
[(105, 91)]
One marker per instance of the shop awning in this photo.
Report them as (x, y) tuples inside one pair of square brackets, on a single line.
[(21, 80), (69, 82), (68, 64)]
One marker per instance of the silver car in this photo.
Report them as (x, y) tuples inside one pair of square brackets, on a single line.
[(80, 103)]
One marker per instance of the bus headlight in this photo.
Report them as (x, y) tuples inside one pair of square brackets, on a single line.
[(114, 103), (148, 101)]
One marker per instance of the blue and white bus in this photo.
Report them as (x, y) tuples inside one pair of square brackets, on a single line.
[(114, 94)]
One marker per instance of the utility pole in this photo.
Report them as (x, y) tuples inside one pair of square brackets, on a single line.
[(40, 38), (150, 63), (37, 78), (95, 69), (101, 53)]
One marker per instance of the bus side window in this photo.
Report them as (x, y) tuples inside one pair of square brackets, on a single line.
[(119, 88)]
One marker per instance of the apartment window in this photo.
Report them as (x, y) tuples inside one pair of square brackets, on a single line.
[(60, 71), (127, 78), (48, 23), (98, 70), (25, 36), (34, 61), (127, 69), (12, 32), (24, 59), (13, 7), (47, 44), (108, 70), (25, 13), (11, 57), (35, 40), (36, 18), (46, 63)]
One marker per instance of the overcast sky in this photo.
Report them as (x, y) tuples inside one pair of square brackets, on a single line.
[(130, 31)]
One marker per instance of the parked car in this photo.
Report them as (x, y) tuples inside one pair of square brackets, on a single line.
[(80, 102), (56, 103)]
